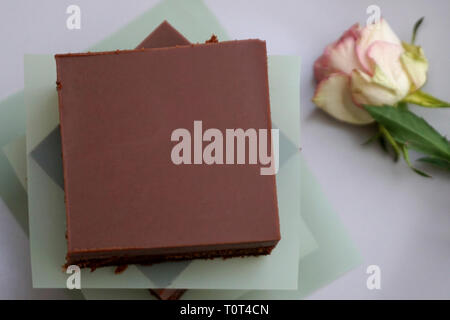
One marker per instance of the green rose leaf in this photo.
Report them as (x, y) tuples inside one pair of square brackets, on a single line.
[(414, 132), (425, 100), (441, 163), (408, 162)]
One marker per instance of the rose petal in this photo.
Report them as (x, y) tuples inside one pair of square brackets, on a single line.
[(340, 56), (415, 64), (333, 96), (366, 91), (354, 32), (322, 69), (388, 70), (380, 31)]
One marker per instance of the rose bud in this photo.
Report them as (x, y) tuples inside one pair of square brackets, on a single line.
[(367, 66)]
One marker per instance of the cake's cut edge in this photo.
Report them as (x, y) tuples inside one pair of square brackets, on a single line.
[(94, 263)]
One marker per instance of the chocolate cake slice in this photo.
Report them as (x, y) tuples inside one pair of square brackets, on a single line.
[(126, 201)]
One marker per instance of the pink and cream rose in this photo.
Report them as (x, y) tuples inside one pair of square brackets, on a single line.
[(367, 66)]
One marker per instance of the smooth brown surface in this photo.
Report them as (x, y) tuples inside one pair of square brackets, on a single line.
[(165, 36), (125, 198)]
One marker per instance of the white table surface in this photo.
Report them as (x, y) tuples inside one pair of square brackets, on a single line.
[(398, 220)]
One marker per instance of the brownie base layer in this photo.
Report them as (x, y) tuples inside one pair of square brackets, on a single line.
[(94, 263), (167, 294)]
